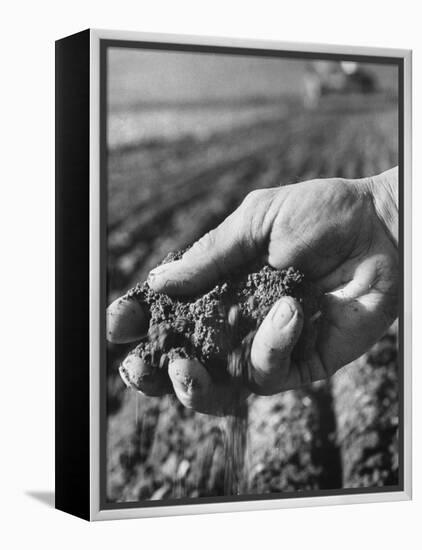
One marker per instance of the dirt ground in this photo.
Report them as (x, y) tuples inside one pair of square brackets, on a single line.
[(165, 194)]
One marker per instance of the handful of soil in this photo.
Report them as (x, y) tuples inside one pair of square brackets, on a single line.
[(213, 326)]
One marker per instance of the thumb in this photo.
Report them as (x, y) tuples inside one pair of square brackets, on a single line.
[(273, 344), (219, 252)]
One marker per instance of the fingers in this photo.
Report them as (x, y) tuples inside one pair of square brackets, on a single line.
[(139, 375), (126, 321), (213, 257), (195, 389), (358, 313), (273, 344)]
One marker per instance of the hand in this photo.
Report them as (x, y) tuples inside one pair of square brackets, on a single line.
[(341, 233)]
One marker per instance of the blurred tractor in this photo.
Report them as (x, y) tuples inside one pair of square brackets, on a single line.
[(332, 77)]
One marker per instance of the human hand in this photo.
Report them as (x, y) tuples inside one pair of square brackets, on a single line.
[(341, 233)]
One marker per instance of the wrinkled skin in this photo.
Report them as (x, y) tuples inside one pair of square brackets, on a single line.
[(331, 230)]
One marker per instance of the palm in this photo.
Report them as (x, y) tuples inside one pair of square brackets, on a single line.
[(336, 238)]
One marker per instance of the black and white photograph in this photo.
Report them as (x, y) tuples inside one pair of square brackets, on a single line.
[(210, 225), (253, 274)]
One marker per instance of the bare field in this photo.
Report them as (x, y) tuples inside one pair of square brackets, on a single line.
[(164, 194)]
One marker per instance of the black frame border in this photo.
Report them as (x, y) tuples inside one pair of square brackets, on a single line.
[(72, 275)]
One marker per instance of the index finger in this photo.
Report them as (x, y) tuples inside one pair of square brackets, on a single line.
[(229, 246)]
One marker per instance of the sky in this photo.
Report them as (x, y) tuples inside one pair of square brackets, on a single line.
[(137, 76)]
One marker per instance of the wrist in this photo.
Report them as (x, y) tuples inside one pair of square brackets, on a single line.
[(383, 190)]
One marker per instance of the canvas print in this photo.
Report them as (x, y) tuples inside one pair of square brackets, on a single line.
[(252, 275)]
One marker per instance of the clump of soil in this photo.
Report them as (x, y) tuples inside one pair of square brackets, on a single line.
[(212, 326)]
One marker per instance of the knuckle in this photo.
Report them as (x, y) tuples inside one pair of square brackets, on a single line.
[(204, 244), (251, 213), (253, 198), (257, 213)]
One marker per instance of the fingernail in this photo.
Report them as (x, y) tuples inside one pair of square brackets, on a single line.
[(283, 314), (127, 320), (156, 272)]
